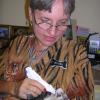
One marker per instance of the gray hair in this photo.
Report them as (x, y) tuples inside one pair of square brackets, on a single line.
[(69, 5)]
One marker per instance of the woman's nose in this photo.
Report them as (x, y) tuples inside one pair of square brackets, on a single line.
[(53, 30)]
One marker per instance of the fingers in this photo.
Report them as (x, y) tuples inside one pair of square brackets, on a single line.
[(30, 87), (37, 85), (35, 91)]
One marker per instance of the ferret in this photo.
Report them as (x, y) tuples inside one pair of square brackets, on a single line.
[(59, 95)]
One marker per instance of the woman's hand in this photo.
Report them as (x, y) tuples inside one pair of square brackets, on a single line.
[(32, 87)]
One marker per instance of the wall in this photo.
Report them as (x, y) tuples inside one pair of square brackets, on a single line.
[(87, 13), (12, 12)]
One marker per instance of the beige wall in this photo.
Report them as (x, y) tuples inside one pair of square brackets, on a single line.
[(12, 12), (87, 13)]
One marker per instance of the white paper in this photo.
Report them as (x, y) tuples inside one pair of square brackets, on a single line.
[(33, 75)]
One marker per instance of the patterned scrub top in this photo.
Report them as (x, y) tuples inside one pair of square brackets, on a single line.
[(65, 65)]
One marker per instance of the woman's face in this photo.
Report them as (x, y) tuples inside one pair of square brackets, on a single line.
[(49, 27)]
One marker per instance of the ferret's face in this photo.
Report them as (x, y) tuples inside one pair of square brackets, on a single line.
[(60, 95), (52, 97)]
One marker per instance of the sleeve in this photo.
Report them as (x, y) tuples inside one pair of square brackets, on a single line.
[(81, 85), (12, 65), (2, 66), (9, 89)]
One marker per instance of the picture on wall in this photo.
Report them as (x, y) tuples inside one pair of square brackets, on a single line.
[(69, 33), (4, 35), (71, 29), (4, 31), (19, 30), (8, 32)]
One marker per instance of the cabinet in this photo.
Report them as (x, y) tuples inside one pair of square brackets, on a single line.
[(96, 73)]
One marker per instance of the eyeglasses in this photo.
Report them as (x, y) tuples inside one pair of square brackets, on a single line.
[(46, 25)]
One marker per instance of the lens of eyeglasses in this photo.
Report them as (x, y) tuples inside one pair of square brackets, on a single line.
[(47, 26), (61, 27), (44, 26)]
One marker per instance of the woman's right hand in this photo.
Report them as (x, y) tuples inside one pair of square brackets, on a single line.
[(32, 87)]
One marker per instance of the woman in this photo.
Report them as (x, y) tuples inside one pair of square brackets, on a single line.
[(61, 62)]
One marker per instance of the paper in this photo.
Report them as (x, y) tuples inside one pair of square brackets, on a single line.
[(33, 75)]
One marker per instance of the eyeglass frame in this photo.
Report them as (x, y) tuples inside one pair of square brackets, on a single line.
[(51, 25)]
